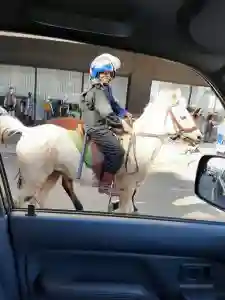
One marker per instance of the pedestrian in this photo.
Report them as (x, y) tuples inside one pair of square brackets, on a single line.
[(29, 109), (10, 101), (208, 128)]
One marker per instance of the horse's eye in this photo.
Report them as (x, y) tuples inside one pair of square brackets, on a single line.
[(183, 117)]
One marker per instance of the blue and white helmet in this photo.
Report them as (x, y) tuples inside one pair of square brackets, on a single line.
[(104, 63)]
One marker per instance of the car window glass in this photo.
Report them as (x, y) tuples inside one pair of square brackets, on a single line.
[(52, 92)]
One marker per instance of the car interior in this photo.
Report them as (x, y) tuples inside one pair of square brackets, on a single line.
[(67, 255)]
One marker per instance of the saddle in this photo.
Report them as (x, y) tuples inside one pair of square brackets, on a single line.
[(92, 156)]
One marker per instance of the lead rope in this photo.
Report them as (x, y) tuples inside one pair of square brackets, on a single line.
[(132, 142)]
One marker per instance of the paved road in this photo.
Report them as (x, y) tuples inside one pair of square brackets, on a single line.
[(169, 190)]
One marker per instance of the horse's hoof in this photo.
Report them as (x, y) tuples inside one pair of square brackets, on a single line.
[(113, 206), (79, 207), (110, 208), (135, 209)]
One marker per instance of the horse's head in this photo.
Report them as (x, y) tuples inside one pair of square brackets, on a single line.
[(179, 121)]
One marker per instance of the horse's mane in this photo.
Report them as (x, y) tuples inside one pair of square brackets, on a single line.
[(162, 100)]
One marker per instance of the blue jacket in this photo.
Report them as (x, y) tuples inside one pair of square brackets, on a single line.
[(119, 111)]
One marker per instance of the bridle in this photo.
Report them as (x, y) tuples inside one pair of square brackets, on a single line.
[(179, 132)]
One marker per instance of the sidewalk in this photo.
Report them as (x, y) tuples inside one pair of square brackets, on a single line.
[(10, 148)]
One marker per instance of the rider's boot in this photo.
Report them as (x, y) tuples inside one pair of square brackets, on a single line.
[(106, 185)]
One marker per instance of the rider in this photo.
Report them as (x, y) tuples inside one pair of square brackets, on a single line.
[(102, 114)]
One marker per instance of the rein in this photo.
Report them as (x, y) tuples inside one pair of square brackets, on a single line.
[(176, 125)]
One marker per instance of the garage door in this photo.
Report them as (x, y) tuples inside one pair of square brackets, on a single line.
[(119, 87), (57, 84), (21, 78)]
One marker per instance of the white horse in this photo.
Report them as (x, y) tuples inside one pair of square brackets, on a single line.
[(47, 151)]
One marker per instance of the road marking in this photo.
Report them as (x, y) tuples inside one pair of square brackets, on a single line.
[(187, 201), (219, 211), (199, 216), (181, 189)]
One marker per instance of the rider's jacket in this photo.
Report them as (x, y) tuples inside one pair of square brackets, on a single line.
[(97, 109), (119, 111)]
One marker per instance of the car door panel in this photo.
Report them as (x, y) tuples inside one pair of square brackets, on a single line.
[(8, 279), (64, 256)]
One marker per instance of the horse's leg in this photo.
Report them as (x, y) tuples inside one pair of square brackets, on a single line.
[(67, 184), (115, 205), (133, 197), (125, 204), (25, 194), (42, 193)]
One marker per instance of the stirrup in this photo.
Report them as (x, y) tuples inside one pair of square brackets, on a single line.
[(81, 162), (108, 190)]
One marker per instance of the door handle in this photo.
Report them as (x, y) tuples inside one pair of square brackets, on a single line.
[(196, 282), (195, 273)]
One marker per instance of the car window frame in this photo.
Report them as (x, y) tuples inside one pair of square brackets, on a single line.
[(6, 199)]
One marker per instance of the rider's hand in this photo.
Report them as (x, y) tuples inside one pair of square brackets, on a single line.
[(128, 115), (126, 127)]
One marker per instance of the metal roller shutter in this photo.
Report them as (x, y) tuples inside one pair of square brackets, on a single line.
[(57, 84), (21, 78)]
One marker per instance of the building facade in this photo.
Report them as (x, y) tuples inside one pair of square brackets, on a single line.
[(50, 68)]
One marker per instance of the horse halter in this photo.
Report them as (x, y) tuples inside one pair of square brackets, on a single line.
[(180, 130)]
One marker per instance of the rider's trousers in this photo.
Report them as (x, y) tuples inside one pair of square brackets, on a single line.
[(110, 146)]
